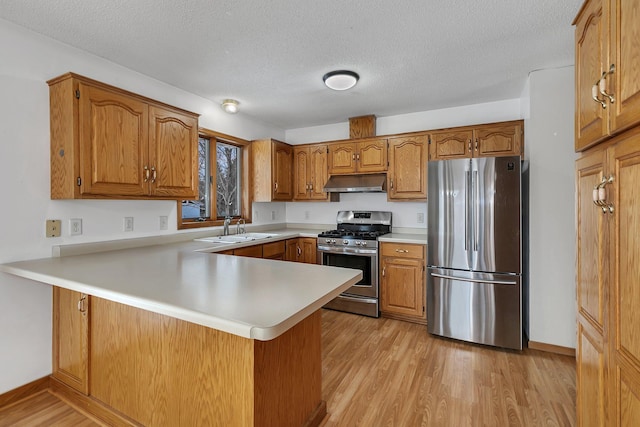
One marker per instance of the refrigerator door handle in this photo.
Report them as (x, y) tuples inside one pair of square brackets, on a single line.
[(466, 210), (464, 279), (476, 210)]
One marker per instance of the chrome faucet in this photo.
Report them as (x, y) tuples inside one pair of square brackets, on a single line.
[(227, 221), (240, 230)]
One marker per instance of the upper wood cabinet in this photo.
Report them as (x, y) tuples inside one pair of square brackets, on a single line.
[(109, 143), (607, 72), (71, 338), (310, 172), (491, 140), (407, 175), (369, 155), (272, 170)]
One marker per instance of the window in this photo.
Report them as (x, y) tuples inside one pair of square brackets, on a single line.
[(222, 187)]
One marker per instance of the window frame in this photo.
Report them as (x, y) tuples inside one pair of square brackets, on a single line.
[(245, 196)]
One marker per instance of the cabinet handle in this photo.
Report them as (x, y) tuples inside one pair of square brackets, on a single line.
[(594, 94), (391, 181), (476, 144), (353, 156), (299, 250), (384, 270), (358, 157), (146, 174), (402, 251), (155, 174), (600, 195), (310, 186), (469, 145), (81, 307), (602, 84), (275, 186)]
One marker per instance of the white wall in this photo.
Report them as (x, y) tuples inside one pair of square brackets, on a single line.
[(549, 136), (28, 61)]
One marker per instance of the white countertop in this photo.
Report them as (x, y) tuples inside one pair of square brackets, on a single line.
[(420, 239), (252, 298)]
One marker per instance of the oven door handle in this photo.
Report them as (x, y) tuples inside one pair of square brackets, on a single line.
[(352, 251)]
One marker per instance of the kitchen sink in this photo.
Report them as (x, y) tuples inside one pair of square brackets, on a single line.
[(235, 238)]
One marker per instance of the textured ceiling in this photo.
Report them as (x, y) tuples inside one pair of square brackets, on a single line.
[(412, 55)]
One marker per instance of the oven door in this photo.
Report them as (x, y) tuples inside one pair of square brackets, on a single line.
[(365, 260)]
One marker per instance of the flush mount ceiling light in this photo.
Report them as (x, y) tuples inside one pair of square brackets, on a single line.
[(230, 106), (340, 79)]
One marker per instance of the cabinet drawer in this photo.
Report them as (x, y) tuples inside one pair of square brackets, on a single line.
[(402, 250), (273, 249)]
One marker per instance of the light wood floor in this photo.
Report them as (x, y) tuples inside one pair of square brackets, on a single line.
[(383, 372)]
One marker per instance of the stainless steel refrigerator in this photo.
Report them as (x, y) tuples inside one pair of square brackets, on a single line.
[(475, 280)]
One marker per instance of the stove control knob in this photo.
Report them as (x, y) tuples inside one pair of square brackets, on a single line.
[(345, 242), (332, 241)]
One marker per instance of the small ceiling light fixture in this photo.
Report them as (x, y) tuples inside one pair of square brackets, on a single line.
[(340, 79), (230, 106)]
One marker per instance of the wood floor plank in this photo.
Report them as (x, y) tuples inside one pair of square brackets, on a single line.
[(385, 372)]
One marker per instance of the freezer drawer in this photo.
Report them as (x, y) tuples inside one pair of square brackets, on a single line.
[(482, 308)]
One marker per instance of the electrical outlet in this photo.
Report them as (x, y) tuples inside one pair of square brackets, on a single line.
[(164, 222), (75, 226), (128, 223), (53, 227), (273, 215), (420, 217)]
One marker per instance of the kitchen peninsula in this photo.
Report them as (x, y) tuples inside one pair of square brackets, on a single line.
[(174, 335)]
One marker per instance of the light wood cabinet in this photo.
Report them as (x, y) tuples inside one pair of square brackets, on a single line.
[(402, 281), (310, 172), (407, 175), (254, 251), (71, 338), (490, 140), (275, 250), (272, 170), (301, 249), (607, 74), (365, 156), (109, 143), (607, 127)]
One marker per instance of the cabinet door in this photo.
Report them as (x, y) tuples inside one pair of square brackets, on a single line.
[(402, 288), (113, 133), (371, 156), (292, 250), (308, 250), (71, 338), (282, 171), (624, 82), (591, 122), (451, 145), (592, 279), (173, 154), (625, 299), (319, 171), (407, 168), (301, 180), (342, 158), (275, 250), (498, 140)]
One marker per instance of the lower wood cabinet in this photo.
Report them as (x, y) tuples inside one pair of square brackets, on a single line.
[(302, 249), (275, 250), (402, 281), (254, 251), (71, 338)]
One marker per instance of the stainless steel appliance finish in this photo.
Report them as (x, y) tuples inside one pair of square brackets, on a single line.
[(475, 267), (354, 245), (371, 183)]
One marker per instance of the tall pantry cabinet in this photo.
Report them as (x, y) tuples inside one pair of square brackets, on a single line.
[(607, 133)]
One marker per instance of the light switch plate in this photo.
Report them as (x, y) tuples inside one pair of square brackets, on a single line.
[(164, 222), (127, 224), (54, 227)]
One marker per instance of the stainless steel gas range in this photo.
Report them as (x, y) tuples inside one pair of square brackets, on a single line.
[(354, 244)]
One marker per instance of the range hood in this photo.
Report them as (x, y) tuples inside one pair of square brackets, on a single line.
[(373, 183)]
